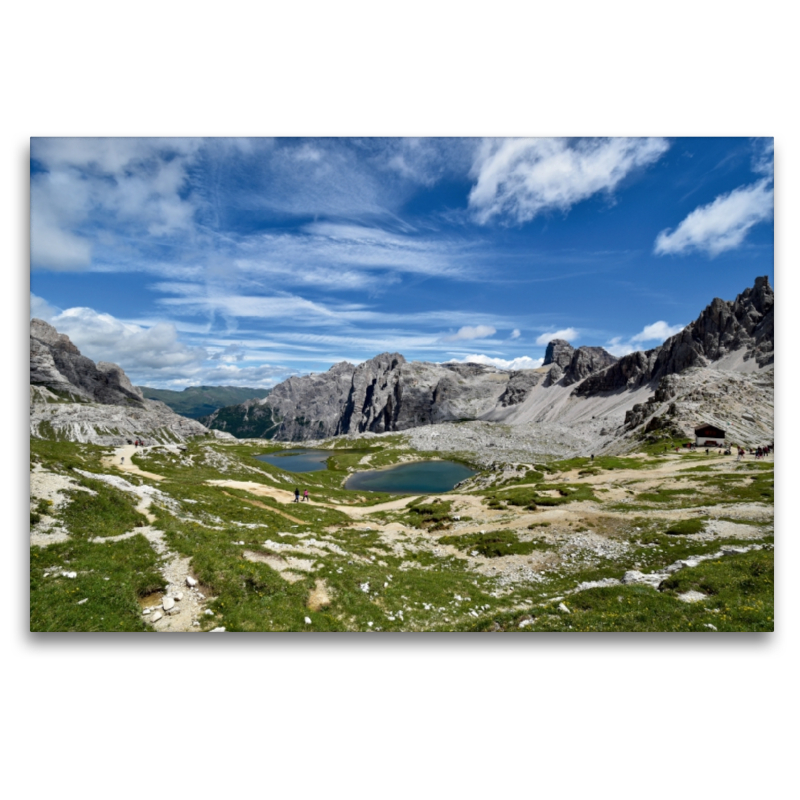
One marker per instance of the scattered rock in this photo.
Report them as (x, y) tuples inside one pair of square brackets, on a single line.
[(190, 581), (217, 630), (562, 607), (156, 616), (85, 600), (692, 597), (168, 603), (307, 620)]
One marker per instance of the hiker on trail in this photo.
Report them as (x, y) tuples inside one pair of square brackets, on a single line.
[(592, 456), (305, 496), (122, 460), (296, 495)]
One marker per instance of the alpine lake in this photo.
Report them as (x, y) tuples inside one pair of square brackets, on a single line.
[(419, 477)]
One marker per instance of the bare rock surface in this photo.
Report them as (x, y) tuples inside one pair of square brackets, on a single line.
[(744, 324), (73, 398)]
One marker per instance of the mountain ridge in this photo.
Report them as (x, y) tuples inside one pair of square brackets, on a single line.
[(389, 393)]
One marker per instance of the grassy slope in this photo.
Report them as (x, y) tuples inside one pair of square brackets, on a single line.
[(420, 577)]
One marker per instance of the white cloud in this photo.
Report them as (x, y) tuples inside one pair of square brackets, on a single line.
[(470, 332), (617, 347), (41, 309), (103, 337), (567, 333), (515, 334), (91, 186), (764, 157), (722, 224), (523, 362), (521, 178), (657, 331)]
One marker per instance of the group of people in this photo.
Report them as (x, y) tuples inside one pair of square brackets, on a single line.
[(759, 452), (297, 495)]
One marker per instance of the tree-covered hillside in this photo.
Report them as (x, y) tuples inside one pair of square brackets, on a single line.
[(199, 401)]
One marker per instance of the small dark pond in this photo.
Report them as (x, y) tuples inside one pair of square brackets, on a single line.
[(298, 460), (428, 477)]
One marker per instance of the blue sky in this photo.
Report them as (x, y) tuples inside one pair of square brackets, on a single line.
[(242, 261)]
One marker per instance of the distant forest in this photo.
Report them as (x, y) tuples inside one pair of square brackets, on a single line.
[(199, 401)]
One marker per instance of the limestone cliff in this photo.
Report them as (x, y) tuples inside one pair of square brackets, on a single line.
[(744, 325), (73, 398)]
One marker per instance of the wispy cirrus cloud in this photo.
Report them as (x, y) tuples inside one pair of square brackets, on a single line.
[(518, 179)]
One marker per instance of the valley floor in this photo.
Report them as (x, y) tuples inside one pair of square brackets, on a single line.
[(203, 537)]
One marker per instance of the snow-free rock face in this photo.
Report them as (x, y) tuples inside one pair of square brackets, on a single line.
[(559, 351), (59, 366), (388, 393), (586, 361), (73, 398), (724, 327)]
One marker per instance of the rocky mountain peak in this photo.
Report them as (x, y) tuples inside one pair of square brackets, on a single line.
[(74, 398), (58, 365), (745, 324), (559, 351)]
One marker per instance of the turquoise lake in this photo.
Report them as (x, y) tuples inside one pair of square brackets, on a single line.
[(298, 460), (420, 477)]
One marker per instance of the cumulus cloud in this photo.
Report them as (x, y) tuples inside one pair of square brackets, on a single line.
[(657, 331), (522, 362), (722, 224), (520, 178), (515, 334), (41, 309), (618, 347), (567, 333), (82, 188), (103, 337), (470, 332)]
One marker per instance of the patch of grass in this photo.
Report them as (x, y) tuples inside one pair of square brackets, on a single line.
[(432, 516), (110, 576), (107, 512), (740, 589), (494, 544)]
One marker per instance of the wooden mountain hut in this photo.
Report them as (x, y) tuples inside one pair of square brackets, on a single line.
[(709, 436)]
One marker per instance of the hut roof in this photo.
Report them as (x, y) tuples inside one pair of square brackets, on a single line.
[(709, 430)]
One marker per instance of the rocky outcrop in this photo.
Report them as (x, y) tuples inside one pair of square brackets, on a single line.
[(557, 356), (386, 393), (724, 327), (58, 365), (586, 361), (558, 352), (73, 398), (519, 387)]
